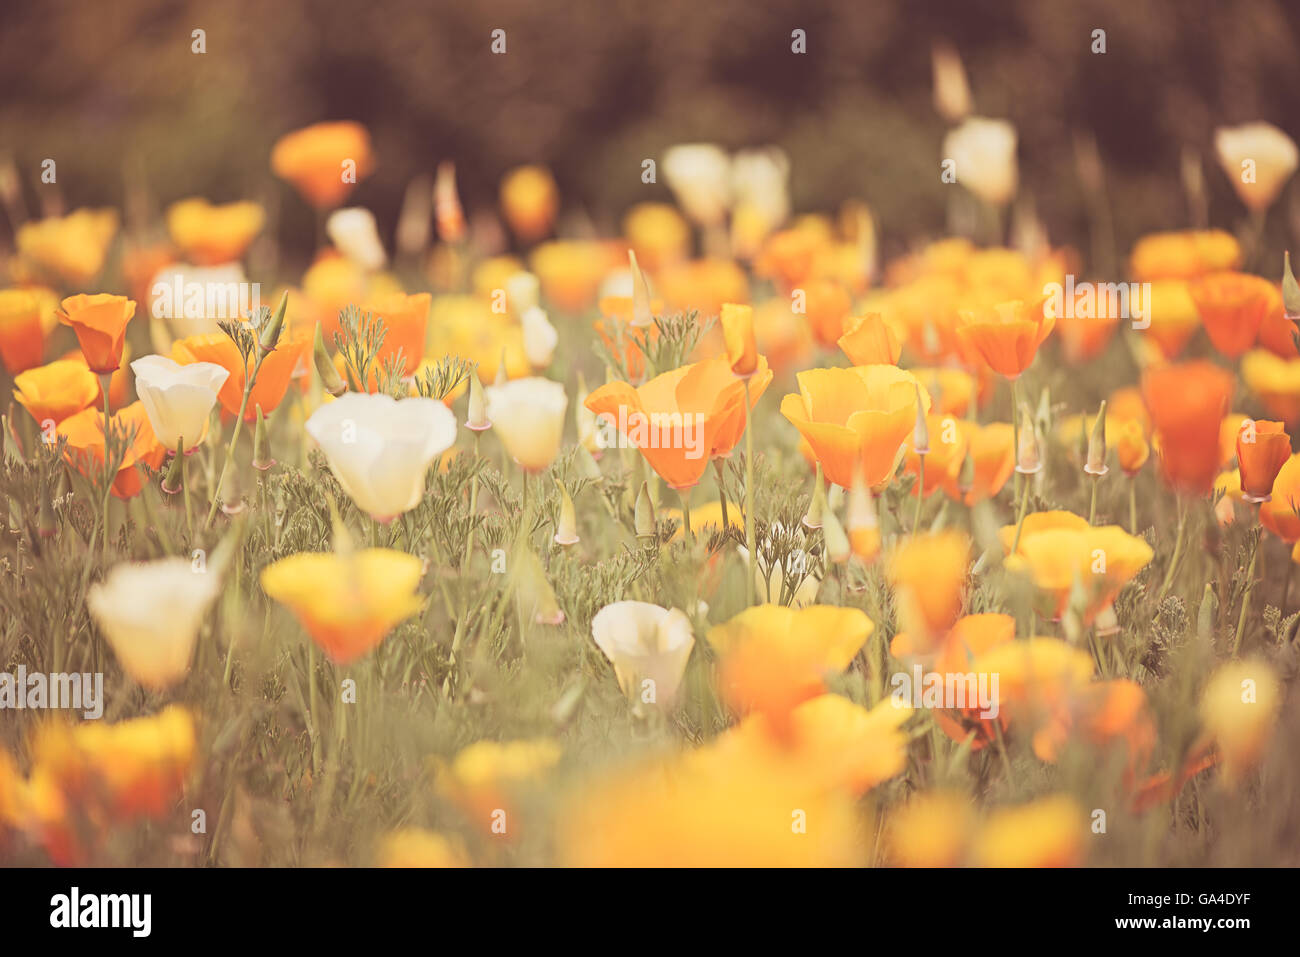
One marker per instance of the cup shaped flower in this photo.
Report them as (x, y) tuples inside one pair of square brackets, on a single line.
[(1232, 305), (273, 377), (178, 399), (100, 324), (1007, 336), (1258, 158), (528, 416), (1099, 561), (1187, 402), (648, 647), (773, 658), (379, 448), (22, 336), (681, 419), (324, 161), (53, 392), (210, 235), (856, 418), (1279, 514), (1262, 449), (348, 603), (85, 445), (984, 154), (150, 613)]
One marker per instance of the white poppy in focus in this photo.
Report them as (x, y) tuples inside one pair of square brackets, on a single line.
[(379, 448), (178, 398), (648, 647), (528, 416)]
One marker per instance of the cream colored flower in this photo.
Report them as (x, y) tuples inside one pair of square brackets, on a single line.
[(354, 233), (150, 614), (540, 338), (648, 647), (699, 174), (178, 399), (984, 153), (379, 448), (1258, 158), (760, 182), (523, 292), (528, 415)]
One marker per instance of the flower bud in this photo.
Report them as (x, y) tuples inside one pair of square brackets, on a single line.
[(261, 444), (1028, 459), (566, 529), (271, 331), (646, 527), (1096, 463), (477, 419), (330, 380)]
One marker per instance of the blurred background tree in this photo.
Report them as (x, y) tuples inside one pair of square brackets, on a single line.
[(114, 94)]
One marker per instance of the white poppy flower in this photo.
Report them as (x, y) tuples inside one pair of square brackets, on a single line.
[(984, 153), (379, 448), (1258, 159), (178, 398), (699, 174), (150, 613), (354, 233), (540, 338), (528, 415), (648, 647)]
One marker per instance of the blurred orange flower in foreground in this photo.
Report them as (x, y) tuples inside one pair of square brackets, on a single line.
[(54, 391), (1232, 306), (22, 335), (210, 235), (84, 432)]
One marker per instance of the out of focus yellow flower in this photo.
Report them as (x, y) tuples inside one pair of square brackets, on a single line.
[(71, 248), (738, 330), (465, 326), (928, 573), (1131, 446), (209, 235), (487, 778), (933, 829), (324, 161), (657, 234), (1239, 710), (1276, 381), (1101, 560), (687, 814), (703, 285), (1258, 159), (869, 340), (348, 603), (991, 449), (773, 657), (1048, 832), (22, 335), (571, 271), (530, 201), (416, 847), (1183, 254), (151, 612)]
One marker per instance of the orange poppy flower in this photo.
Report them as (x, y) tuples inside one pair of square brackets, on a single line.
[(1104, 713), (57, 390), (1007, 336), (1278, 514), (992, 449), (324, 161), (22, 337), (210, 235), (1131, 447), (1187, 402), (827, 306), (1262, 449), (1101, 560), (530, 200), (787, 256), (782, 336), (1276, 331), (703, 285), (1232, 306), (681, 419), (928, 573), (855, 419), (85, 449), (406, 326), (943, 461), (571, 270), (1172, 315), (272, 379), (971, 637), (100, 324), (1183, 255), (738, 330), (869, 340)]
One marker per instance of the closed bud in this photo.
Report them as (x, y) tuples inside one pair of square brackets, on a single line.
[(566, 529), (330, 380), (261, 443), (838, 548), (1028, 459), (271, 330), (1096, 463), (641, 314), (477, 418), (645, 515), (921, 431)]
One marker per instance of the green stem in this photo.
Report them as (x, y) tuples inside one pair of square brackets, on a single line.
[(1178, 551), (1092, 509), (106, 382), (722, 492), (1132, 507), (1020, 517), (1245, 598), (920, 495), (749, 495), (685, 495)]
